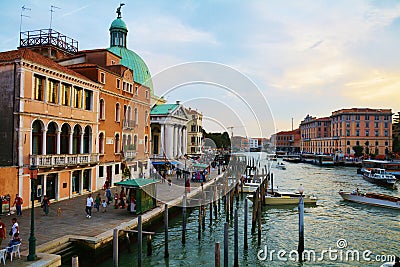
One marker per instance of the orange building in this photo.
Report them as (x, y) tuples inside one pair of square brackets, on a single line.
[(315, 135), (49, 122), (287, 141), (369, 128)]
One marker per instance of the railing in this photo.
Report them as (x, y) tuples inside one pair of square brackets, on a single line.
[(48, 37), (63, 160), (130, 154), (129, 124)]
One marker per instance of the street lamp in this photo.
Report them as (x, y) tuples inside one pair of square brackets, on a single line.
[(300, 248), (32, 240)]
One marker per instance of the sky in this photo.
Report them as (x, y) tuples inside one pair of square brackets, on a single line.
[(262, 63)]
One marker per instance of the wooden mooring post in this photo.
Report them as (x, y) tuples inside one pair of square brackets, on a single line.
[(226, 250), (245, 245), (259, 223), (236, 240), (115, 247), (217, 252), (166, 252), (184, 219), (139, 240)]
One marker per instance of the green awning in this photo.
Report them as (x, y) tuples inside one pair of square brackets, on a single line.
[(199, 165), (136, 183)]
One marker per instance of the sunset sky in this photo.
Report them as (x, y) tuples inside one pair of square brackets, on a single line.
[(305, 57)]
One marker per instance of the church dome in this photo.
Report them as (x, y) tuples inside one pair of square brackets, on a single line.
[(119, 24), (129, 59)]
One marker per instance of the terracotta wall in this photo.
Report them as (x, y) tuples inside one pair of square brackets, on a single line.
[(8, 181)]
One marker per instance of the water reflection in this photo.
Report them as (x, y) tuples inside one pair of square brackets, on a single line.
[(363, 227)]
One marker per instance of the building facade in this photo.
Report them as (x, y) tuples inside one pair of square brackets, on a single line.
[(369, 128), (315, 135), (194, 132), (168, 131), (287, 141), (50, 123)]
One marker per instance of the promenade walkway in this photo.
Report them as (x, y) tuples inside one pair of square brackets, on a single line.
[(73, 221)]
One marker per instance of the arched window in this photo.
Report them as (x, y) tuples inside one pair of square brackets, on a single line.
[(129, 113), (37, 137), (117, 145), (76, 140), (101, 143), (87, 136), (102, 109), (65, 130), (117, 112), (129, 140), (145, 144), (135, 143), (136, 116), (124, 142), (146, 118), (51, 139)]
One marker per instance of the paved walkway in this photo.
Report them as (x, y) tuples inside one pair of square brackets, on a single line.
[(73, 221)]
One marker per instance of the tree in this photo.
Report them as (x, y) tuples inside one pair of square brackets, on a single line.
[(358, 151), (220, 140)]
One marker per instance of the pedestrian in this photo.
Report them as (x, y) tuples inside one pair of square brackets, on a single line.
[(45, 205), (108, 195), (97, 202), (187, 185), (89, 205), (116, 200), (18, 201), (122, 198), (3, 232), (104, 206), (14, 227), (16, 240), (169, 182)]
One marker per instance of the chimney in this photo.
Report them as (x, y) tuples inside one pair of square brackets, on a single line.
[(178, 102)]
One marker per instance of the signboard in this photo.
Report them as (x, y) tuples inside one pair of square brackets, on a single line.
[(109, 140)]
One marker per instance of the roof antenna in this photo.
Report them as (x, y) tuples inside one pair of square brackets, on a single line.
[(119, 10), (23, 8), (51, 13)]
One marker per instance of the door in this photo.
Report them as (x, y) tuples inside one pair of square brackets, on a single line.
[(51, 181)]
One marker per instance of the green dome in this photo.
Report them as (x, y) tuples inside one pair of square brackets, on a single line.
[(130, 59), (119, 24)]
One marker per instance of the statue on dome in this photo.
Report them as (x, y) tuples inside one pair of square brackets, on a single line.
[(119, 10)]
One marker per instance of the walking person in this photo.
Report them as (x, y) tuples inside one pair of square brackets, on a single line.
[(104, 206), (18, 201), (14, 227), (97, 202), (3, 232), (89, 205), (108, 195), (45, 205)]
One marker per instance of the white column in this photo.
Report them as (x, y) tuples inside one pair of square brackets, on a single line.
[(81, 146), (71, 143), (180, 136), (162, 140), (169, 141), (185, 142), (58, 142), (44, 143), (80, 181), (44, 185), (174, 141)]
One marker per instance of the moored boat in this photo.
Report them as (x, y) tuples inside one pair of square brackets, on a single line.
[(281, 166), (379, 176), (373, 199), (277, 198)]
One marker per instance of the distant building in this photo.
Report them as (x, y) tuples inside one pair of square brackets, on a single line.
[(195, 132), (287, 141), (315, 135), (253, 143), (369, 128), (169, 131)]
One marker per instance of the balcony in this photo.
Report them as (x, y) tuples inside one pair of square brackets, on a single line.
[(129, 124), (130, 154), (63, 160)]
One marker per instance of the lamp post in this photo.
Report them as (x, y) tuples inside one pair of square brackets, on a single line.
[(300, 248), (32, 240)]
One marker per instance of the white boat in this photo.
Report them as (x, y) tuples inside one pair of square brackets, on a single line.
[(379, 176), (286, 198), (250, 187), (281, 166), (374, 199)]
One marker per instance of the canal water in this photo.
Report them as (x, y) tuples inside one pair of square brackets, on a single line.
[(343, 229)]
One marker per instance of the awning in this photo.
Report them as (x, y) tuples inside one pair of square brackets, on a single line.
[(199, 165), (136, 183), (165, 162)]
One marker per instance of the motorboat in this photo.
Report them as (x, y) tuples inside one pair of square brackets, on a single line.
[(379, 176), (250, 187), (281, 166), (373, 199), (277, 198)]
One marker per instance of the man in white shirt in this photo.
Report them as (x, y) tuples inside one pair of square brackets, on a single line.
[(89, 205)]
